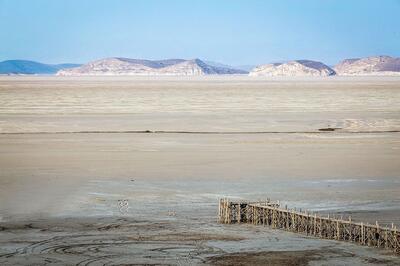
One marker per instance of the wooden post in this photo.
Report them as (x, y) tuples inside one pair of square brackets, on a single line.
[(226, 211), (337, 230), (378, 233), (219, 211), (350, 230), (239, 214), (362, 234), (315, 224), (386, 238)]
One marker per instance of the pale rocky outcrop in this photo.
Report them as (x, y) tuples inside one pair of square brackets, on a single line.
[(126, 66), (374, 65), (293, 69)]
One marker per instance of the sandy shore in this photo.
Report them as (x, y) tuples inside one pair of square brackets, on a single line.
[(72, 193)]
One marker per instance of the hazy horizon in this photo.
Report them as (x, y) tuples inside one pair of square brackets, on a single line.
[(212, 62), (233, 33)]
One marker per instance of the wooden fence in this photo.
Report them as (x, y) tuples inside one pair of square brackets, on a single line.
[(271, 214)]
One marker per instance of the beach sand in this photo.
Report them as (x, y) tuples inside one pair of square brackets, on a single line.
[(130, 170)]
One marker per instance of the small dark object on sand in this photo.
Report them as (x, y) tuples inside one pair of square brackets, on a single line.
[(329, 129)]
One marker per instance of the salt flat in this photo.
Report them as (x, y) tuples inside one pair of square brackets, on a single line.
[(72, 148), (204, 104)]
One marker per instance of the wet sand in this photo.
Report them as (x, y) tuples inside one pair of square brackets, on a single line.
[(68, 167)]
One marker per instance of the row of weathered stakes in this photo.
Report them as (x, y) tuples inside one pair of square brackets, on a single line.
[(271, 214)]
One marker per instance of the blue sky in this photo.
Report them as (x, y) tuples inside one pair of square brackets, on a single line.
[(229, 31)]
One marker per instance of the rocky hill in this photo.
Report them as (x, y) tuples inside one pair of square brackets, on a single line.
[(26, 67), (293, 69), (126, 66), (375, 65)]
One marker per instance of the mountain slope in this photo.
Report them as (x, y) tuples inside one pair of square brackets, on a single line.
[(374, 65), (66, 65), (127, 66), (30, 67), (293, 69), (244, 68)]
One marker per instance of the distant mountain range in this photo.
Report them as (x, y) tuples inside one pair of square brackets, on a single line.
[(127, 66), (371, 66), (31, 67), (375, 65)]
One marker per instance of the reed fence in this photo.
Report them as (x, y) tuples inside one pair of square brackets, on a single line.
[(271, 214)]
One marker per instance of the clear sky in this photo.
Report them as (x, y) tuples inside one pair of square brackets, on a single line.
[(229, 31)]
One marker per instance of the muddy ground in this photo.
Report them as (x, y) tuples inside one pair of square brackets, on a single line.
[(87, 178)]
